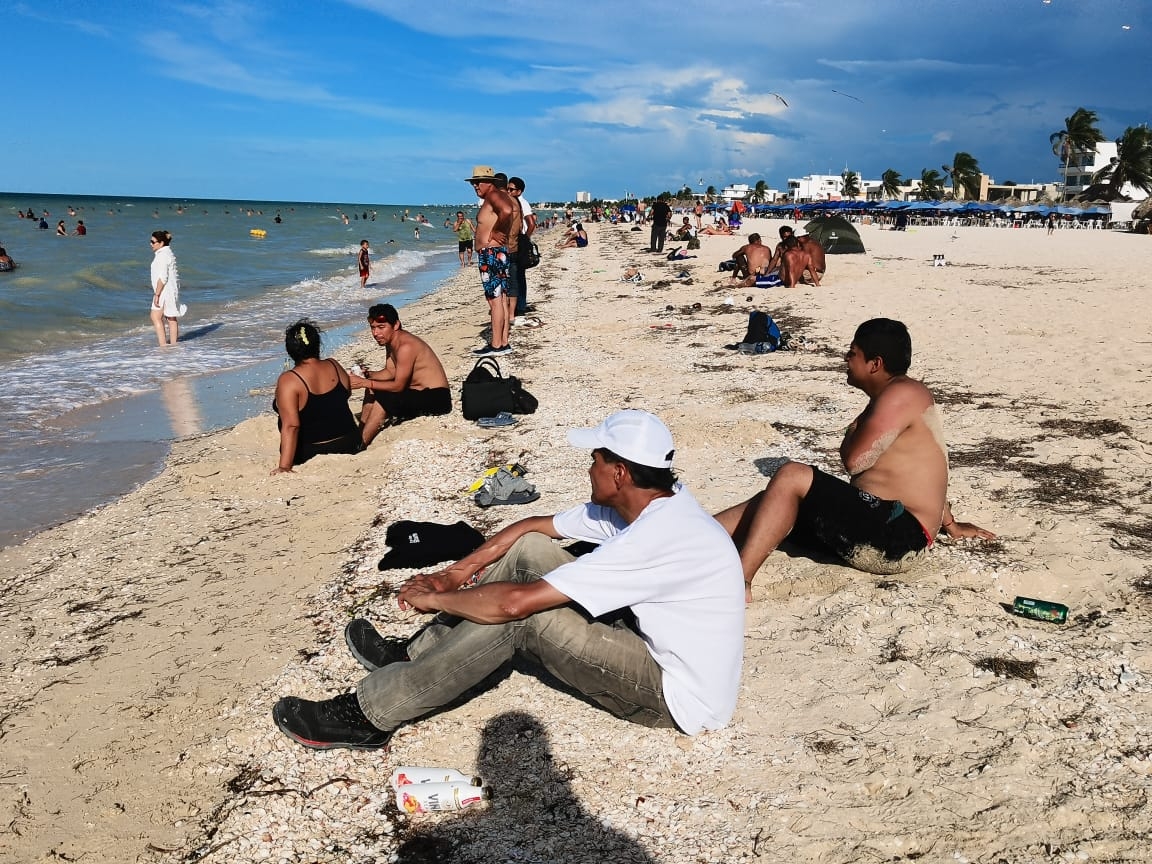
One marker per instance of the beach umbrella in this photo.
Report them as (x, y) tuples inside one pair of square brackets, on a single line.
[(836, 234)]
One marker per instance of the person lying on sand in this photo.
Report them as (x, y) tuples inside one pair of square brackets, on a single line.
[(412, 382), (673, 662), (719, 228), (886, 516)]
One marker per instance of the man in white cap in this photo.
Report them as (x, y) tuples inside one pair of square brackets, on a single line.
[(673, 662)]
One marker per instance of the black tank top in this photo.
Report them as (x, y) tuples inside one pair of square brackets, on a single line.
[(325, 416)]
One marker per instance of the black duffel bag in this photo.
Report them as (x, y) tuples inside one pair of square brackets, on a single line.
[(486, 392)]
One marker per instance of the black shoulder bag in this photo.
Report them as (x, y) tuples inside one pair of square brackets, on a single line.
[(486, 392)]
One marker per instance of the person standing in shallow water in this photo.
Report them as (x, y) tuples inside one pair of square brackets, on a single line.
[(166, 307), (364, 263)]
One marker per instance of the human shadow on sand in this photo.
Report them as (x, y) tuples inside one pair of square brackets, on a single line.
[(533, 816)]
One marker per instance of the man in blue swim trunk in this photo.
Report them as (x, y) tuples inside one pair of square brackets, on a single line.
[(889, 511), (494, 223)]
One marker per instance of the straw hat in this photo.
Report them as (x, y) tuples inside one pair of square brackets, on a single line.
[(482, 173)]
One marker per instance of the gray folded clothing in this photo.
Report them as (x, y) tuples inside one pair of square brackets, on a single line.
[(504, 487)]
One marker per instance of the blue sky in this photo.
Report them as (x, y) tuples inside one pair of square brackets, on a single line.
[(394, 101)]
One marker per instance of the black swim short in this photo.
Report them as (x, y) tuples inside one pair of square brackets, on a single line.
[(871, 534), (416, 403), (350, 443), (464, 245)]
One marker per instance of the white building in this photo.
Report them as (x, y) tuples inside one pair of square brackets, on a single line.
[(743, 192), (583, 197), (1077, 176), (815, 187), (735, 192)]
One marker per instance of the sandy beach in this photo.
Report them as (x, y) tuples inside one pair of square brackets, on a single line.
[(880, 718)]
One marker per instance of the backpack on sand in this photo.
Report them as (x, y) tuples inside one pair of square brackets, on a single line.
[(763, 335)]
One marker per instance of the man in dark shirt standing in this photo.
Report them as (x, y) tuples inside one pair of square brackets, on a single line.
[(661, 215)]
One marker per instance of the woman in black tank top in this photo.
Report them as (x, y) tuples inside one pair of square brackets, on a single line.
[(312, 402)]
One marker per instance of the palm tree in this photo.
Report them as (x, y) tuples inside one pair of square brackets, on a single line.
[(1078, 136), (931, 185), (710, 193), (890, 183), (965, 174), (760, 192), (1132, 164), (851, 187)]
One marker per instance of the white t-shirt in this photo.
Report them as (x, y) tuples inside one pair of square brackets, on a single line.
[(677, 570), (525, 212)]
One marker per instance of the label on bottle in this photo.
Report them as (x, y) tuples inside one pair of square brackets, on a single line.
[(408, 774), (1041, 610), (437, 797)]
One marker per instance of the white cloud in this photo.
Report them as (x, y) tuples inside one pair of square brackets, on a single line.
[(942, 137), (209, 67)]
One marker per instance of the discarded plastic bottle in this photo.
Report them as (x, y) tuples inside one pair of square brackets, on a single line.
[(1041, 610), (437, 797), (408, 774)]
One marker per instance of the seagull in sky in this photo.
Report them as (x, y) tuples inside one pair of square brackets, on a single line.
[(849, 96), (781, 98)]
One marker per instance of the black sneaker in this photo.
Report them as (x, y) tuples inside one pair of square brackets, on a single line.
[(500, 352), (329, 724), (486, 351), (372, 650)]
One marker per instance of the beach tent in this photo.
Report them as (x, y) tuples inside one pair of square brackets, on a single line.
[(836, 234)]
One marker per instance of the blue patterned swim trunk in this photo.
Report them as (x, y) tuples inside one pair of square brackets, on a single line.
[(493, 263)]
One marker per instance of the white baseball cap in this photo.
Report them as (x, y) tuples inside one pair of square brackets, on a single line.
[(634, 435)]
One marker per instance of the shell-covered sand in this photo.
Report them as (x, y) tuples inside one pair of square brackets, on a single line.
[(880, 718)]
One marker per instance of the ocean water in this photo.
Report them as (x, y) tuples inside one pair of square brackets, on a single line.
[(90, 403)]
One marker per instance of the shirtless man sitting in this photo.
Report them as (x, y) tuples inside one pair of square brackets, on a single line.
[(888, 514), (412, 382), (751, 260), (816, 258)]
